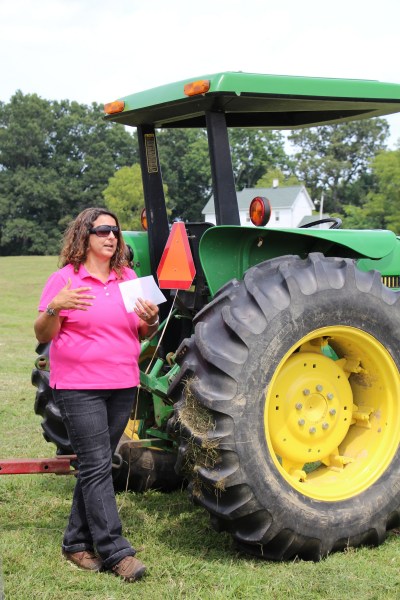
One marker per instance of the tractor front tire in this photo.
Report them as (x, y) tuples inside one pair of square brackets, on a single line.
[(288, 408), (52, 424)]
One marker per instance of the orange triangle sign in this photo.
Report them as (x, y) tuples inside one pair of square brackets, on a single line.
[(176, 269)]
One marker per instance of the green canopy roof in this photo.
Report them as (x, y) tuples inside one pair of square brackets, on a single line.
[(255, 100)]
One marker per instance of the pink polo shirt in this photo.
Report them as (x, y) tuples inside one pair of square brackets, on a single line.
[(97, 348)]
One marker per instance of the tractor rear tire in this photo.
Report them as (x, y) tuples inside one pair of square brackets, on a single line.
[(136, 469), (288, 408)]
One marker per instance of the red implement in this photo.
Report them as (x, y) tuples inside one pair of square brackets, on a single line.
[(61, 465)]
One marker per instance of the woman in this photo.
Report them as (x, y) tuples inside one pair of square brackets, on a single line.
[(94, 372)]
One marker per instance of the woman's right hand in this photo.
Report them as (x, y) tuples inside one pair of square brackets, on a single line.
[(75, 298), (47, 326)]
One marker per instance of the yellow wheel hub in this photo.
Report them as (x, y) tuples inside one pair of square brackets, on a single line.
[(331, 416), (309, 418)]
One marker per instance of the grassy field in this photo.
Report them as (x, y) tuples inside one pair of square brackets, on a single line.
[(185, 558)]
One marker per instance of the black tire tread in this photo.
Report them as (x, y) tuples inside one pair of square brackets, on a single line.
[(212, 364)]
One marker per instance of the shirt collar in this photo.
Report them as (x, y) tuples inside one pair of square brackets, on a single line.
[(84, 274)]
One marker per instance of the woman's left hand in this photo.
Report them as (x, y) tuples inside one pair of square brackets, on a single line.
[(147, 311)]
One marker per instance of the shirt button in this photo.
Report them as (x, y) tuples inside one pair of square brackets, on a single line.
[(105, 287), (107, 294)]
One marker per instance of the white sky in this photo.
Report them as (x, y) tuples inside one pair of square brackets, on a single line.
[(99, 50)]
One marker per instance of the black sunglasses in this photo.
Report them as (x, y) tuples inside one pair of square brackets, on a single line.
[(105, 230)]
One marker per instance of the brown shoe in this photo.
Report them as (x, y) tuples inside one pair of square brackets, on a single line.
[(84, 560), (129, 568)]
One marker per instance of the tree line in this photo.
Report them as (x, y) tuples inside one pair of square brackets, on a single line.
[(59, 157)]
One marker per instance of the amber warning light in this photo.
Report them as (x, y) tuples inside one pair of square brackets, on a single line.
[(114, 107), (143, 219), (195, 88), (260, 211)]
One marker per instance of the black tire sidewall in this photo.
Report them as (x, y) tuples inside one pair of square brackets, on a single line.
[(327, 308)]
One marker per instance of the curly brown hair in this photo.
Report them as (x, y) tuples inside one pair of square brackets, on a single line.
[(76, 241)]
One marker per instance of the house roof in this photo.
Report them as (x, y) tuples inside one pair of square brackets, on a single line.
[(279, 197)]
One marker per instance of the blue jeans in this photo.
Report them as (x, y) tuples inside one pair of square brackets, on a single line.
[(95, 421)]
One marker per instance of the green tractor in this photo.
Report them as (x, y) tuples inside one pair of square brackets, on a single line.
[(272, 387)]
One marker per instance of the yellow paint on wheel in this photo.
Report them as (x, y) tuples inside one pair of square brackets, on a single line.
[(331, 415)]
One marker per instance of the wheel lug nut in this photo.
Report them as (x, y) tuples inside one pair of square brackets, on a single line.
[(306, 392), (329, 396), (312, 430), (332, 411), (301, 421), (325, 425), (319, 388), (299, 405)]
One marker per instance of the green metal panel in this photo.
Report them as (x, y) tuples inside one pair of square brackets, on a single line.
[(226, 252), (250, 99), (138, 241), (389, 265)]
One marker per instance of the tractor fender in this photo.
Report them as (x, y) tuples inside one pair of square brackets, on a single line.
[(227, 251), (138, 241)]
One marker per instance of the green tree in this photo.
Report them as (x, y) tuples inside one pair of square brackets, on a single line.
[(124, 196), (332, 158), (55, 160), (382, 208), (285, 180), (25, 123), (357, 217), (186, 171), (254, 152), (186, 168), (30, 201), (386, 168)]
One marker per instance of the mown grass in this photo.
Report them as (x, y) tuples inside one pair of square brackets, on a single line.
[(185, 558)]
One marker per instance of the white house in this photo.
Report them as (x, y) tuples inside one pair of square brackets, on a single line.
[(290, 205)]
